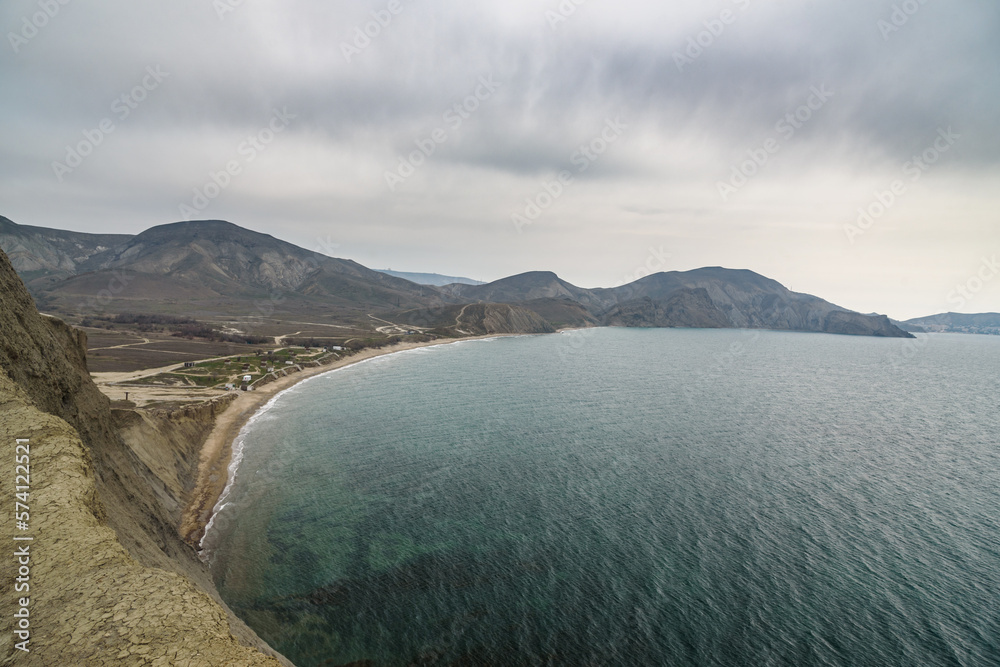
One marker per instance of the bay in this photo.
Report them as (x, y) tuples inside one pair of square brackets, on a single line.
[(627, 497)]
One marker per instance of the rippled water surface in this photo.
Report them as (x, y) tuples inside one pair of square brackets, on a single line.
[(628, 497)]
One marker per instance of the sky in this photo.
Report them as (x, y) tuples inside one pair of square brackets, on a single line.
[(846, 148)]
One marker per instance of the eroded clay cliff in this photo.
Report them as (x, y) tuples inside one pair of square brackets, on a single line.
[(111, 582)]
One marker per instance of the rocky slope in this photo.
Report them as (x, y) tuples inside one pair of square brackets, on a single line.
[(748, 300), (492, 318), (684, 308), (217, 260), (112, 583), (204, 266), (708, 297), (43, 257), (477, 319)]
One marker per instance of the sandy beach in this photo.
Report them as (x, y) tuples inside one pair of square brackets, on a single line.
[(217, 451)]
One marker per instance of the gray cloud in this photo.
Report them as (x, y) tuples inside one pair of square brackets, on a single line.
[(687, 126)]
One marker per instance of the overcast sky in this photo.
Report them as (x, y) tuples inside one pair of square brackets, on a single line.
[(596, 139)]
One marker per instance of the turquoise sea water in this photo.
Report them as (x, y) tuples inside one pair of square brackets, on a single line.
[(627, 497)]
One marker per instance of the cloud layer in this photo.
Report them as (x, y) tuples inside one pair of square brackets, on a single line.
[(751, 133)]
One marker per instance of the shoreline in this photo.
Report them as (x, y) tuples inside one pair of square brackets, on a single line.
[(217, 451)]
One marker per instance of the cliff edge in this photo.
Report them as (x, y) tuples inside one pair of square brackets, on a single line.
[(110, 582)]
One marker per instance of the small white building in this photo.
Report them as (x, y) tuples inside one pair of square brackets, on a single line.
[(247, 378)]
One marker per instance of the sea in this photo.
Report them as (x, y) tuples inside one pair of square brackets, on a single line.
[(627, 497)]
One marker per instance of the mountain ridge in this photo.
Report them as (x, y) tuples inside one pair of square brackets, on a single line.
[(707, 297), (217, 267), (971, 323), (41, 255)]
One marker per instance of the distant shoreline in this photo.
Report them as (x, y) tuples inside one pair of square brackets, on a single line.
[(217, 451)]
